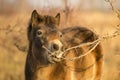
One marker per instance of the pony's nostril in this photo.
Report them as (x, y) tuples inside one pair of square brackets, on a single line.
[(55, 47)]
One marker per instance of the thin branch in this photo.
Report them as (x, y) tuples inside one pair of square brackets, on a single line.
[(47, 49), (22, 48), (113, 8), (95, 43), (85, 54), (83, 44)]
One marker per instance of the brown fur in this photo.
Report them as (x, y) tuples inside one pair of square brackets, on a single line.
[(38, 66), (84, 67)]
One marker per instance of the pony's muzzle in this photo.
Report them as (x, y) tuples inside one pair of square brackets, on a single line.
[(56, 46)]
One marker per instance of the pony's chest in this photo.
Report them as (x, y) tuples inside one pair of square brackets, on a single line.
[(62, 72), (54, 72), (43, 73), (82, 75)]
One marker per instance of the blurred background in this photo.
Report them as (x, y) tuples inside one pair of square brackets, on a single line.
[(96, 15)]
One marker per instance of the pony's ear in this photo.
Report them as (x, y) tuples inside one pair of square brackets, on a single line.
[(57, 17), (34, 18)]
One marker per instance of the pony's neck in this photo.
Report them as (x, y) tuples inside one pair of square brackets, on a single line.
[(39, 55)]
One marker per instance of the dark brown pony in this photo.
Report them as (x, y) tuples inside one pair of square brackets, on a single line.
[(47, 42)]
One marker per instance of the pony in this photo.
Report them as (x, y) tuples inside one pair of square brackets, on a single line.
[(47, 55)]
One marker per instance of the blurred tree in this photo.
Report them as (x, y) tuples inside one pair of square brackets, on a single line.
[(67, 9), (13, 6), (1, 5)]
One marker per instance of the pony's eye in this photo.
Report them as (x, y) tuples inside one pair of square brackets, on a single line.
[(39, 33)]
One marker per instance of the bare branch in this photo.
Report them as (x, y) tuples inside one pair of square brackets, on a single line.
[(88, 52), (81, 45), (95, 43), (22, 48), (113, 8)]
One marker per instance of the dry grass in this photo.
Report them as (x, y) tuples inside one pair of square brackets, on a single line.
[(12, 60)]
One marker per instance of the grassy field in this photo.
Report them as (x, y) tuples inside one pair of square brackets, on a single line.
[(13, 30)]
